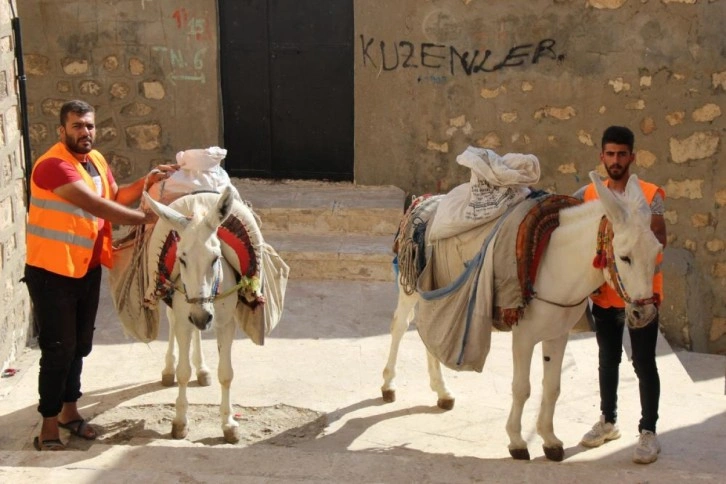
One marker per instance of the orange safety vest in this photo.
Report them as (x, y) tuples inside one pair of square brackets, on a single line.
[(606, 296), (60, 236)]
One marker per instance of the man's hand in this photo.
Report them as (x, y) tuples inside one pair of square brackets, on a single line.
[(161, 173), (150, 217)]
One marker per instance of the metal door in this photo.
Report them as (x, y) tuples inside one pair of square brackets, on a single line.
[(287, 88)]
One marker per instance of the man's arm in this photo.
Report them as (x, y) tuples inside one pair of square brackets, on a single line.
[(80, 195), (658, 226), (580, 193), (657, 219), (131, 193)]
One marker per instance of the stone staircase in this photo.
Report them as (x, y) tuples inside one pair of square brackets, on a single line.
[(328, 231)]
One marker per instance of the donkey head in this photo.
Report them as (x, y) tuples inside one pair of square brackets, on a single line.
[(634, 247), (199, 254)]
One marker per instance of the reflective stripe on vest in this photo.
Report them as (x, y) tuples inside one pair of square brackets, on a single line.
[(64, 237), (61, 236), (605, 296), (64, 207)]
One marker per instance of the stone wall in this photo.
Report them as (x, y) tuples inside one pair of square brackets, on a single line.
[(546, 77), (14, 301), (148, 67), (432, 77)]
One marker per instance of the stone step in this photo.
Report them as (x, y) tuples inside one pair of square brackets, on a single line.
[(352, 257), (313, 207)]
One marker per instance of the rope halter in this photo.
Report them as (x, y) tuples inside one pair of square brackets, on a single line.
[(605, 259), (245, 283)]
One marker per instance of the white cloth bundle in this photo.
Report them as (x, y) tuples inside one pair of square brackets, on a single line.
[(200, 170), (496, 183)]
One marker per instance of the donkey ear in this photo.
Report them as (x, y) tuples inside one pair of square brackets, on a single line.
[(223, 208), (613, 207), (634, 192), (174, 218)]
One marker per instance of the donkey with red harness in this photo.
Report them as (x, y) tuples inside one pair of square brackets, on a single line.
[(206, 283)]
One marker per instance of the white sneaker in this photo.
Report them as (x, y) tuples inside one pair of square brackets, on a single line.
[(647, 449), (601, 432)]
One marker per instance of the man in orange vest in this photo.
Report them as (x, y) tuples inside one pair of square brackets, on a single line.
[(73, 202), (609, 314)]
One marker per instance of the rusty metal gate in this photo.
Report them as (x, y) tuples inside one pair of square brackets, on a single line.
[(287, 88)]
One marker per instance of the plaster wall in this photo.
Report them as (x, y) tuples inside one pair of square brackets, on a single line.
[(14, 300)]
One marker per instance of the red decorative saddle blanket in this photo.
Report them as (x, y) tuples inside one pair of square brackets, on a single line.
[(534, 220)]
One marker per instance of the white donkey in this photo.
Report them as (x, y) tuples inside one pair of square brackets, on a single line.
[(565, 278), (205, 296)]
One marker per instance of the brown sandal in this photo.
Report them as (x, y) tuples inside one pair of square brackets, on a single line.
[(50, 444), (79, 427)]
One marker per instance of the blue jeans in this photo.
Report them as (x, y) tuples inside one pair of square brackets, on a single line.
[(609, 324), (64, 312)]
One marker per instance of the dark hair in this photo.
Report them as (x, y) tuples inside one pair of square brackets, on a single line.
[(619, 135), (77, 107)]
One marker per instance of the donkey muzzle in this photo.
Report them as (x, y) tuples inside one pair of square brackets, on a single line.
[(640, 315), (200, 318)]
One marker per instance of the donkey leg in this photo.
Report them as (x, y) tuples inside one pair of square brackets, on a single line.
[(438, 384), (225, 373), (553, 351), (167, 374), (179, 427), (522, 350), (402, 317), (204, 376)]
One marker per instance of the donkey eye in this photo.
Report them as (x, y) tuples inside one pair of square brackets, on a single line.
[(183, 262), (626, 259)]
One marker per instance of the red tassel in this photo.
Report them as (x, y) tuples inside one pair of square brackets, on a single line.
[(601, 260)]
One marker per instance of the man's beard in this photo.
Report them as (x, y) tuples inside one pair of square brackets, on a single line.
[(616, 175), (76, 147)]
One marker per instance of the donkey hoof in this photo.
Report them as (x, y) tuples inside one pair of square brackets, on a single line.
[(167, 380), (231, 435), (389, 396), (519, 454), (204, 379), (179, 431), (556, 453), (445, 403)]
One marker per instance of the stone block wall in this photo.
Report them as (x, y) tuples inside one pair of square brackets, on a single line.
[(14, 300), (431, 78), (547, 77), (149, 68)]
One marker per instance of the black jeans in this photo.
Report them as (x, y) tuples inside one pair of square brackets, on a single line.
[(609, 324), (64, 310)]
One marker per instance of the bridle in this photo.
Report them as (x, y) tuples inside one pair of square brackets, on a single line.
[(215, 294), (605, 259)]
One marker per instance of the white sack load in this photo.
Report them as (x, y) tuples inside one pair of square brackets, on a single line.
[(497, 182), (128, 278), (200, 170), (260, 322)]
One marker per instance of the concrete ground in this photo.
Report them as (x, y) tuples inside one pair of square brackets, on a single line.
[(327, 355)]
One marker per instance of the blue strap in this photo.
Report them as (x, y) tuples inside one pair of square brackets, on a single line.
[(472, 269)]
